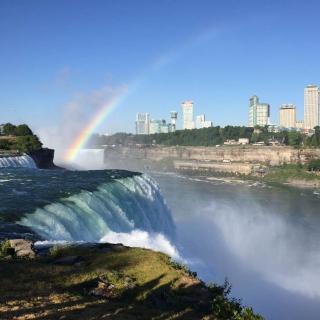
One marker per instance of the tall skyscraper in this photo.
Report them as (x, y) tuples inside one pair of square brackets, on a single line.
[(187, 115), (259, 113), (311, 106), (202, 123), (142, 123), (287, 116)]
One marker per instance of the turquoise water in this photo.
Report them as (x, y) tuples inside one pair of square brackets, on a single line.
[(79, 205)]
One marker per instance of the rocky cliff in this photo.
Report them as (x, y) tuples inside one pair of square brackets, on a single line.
[(232, 159), (268, 155), (44, 158)]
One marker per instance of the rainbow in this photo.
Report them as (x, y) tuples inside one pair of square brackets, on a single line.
[(108, 107), (88, 130)]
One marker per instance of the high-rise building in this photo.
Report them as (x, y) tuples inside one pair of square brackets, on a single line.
[(187, 115), (259, 113), (160, 126), (174, 116), (299, 124), (311, 106), (155, 126), (142, 123), (202, 123), (287, 116)]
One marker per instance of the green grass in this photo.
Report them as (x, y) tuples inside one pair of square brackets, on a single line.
[(288, 172), (147, 285)]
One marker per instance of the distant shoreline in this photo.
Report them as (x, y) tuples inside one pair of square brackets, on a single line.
[(281, 165)]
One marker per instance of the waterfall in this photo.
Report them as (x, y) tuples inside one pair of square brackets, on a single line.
[(121, 205), (24, 161)]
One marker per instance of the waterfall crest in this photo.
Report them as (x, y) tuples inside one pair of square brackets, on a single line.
[(121, 205), (24, 161)]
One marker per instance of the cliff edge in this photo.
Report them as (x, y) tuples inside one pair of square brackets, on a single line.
[(44, 158)]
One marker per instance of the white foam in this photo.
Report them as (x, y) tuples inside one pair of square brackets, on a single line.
[(143, 239)]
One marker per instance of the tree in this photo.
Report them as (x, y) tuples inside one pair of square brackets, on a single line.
[(294, 138), (23, 130), (9, 129), (27, 144)]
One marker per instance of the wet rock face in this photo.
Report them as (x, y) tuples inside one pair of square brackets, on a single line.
[(44, 158), (22, 248)]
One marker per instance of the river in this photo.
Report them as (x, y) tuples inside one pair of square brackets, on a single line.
[(264, 239)]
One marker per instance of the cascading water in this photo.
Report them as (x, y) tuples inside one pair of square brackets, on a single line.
[(118, 206), (24, 161)]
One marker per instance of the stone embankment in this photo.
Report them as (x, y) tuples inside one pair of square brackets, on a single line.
[(230, 159)]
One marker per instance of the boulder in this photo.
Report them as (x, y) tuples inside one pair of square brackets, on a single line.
[(22, 248)]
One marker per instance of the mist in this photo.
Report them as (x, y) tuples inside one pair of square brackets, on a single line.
[(75, 116), (257, 238)]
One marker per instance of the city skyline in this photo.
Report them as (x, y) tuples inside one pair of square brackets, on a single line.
[(49, 69), (259, 115)]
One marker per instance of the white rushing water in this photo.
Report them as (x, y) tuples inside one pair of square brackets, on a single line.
[(120, 206), (24, 161)]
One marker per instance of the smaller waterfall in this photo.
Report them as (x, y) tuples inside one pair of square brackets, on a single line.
[(24, 161)]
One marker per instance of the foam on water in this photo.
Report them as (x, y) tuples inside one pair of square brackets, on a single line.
[(143, 239)]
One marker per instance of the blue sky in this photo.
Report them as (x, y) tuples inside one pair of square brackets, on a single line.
[(216, 53)]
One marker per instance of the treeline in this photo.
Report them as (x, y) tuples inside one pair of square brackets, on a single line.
[(9, 129), (18, 138), (210, 137)]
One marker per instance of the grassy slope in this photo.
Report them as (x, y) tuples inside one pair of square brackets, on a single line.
[(40, 289), (291, 172)]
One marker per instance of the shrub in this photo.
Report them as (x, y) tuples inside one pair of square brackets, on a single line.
[(4, 247), (247, 314), (27, 144), (222, 306), (314, 165), (5, 144), (179, 266)]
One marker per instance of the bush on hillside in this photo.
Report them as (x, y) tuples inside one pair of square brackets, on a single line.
[(9, 129), (23, 130), (314, 165), (5, 144), (27, 144)]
